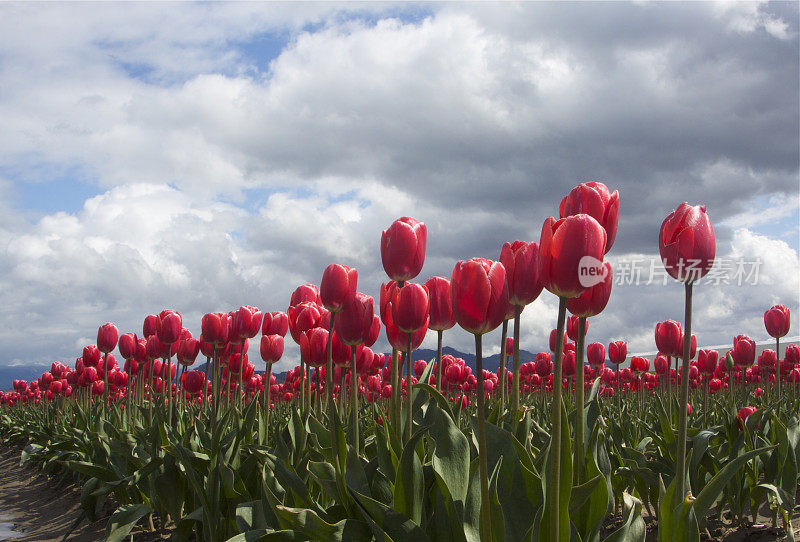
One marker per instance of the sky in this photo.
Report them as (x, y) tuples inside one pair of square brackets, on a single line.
[(202, 156)]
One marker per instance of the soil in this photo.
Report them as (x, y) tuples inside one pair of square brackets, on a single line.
[(33, 508)]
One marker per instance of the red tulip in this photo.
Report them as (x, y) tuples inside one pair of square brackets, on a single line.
[(707, 361), (776, 320), (306, 292), (640, 364), (596, 354), (403, 248), (410, 307), (792, 354), (215, 328), (617, 352), (188, 350), (107, 336), (439, 306), (302, 317), (374, 330), (595, 200), (399, 339), (571, 254), (568, 364), (669, 338), (744, 413), (595, 298), (768, 359), (245, 323), (354, 322), (271, 348), (170, 327), (91, 355), (338, 286), (275, 323), (521, 261), (127, 345), (151, 325), (714, 385), (744, 350), (479, 294), (661, 365), (419, 367), (509, 346), (572, 327), (687, 243), (193, 382)]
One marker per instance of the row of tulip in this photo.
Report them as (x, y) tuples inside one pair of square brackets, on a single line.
[(446, 475)]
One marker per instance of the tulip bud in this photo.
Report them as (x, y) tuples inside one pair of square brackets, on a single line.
[(107, 336), (687, 243), (479, 295), (594, 199), (403, 248), (439, 305)]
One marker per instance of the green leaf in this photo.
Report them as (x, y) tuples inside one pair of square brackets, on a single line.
[(633, 528), (389, 522), (408, 486), (310, 524), (451, 453), (123, 520)]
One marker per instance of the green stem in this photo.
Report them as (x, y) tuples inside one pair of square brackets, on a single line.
[(501, 371), (395, 399), (486, 518), (680, 472), (515, 381), (439, 334), (354, 398), (265, 404), (778, 375), (579, 452), (408, 388), (555, 445), (105, 383)]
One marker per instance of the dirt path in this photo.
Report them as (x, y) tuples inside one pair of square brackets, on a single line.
[(33, 509)]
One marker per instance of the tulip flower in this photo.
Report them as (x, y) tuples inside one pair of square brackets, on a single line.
[(707, 361), (744, 350), (479, 295), (275, 323), (594, 199), (617, 352), (150, 326), (792, 354), (338, 285), (170, 326), (669, 338), (193, 382), (305, 293), (521, 261), (440, 311), (640, 364), (661, 365), (571, 254), (403, 248), (245, 323), (187, 351), (687, 245), (353, 326), (127, 345), (596, 354), (107, 336), (777, 321)]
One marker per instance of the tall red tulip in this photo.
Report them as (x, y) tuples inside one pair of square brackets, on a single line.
[(571, 254), (594, 299), (707, 361), (215, 328), (245, 323), (271, 348), (403, 248), (107, 336), (479, 294), (744, 350), (338, 286), (617, 352), (127, 345), (669, 338), (596, 354), (687, 243), (150, 325), (776, 320), (275, 323), (354, 322), (170, 326), (410, 307), (188, 350), (594, 199), (306, 292), (440, 307)]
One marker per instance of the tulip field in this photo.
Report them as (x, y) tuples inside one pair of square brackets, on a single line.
[(357, 445)]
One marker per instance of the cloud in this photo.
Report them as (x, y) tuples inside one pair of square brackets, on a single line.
[(229, 172)]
